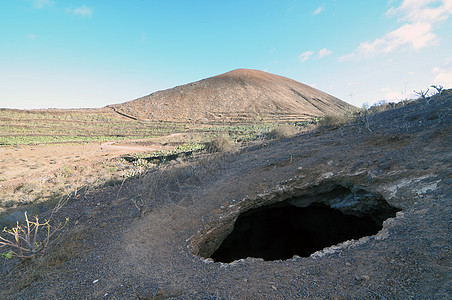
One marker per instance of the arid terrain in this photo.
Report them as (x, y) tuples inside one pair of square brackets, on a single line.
[(237, 96), (47, 154), (369, 192)]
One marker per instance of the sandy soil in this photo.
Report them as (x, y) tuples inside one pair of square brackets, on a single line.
[(31, 173), (23, 163)]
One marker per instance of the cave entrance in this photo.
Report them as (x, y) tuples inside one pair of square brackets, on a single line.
[(284, 229)]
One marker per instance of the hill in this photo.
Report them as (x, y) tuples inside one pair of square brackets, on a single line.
[(236, 96)]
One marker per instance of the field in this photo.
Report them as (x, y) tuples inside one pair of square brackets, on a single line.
[(49, 154), (56, 126)]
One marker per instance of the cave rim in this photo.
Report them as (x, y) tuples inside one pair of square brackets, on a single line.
[(389, 211)]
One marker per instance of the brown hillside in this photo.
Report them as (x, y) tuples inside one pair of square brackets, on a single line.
[(238, 95)]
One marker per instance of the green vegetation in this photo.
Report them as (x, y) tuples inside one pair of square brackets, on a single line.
[(34, 127), (27, 140), (240, 132), (24, 127), (184, 148)]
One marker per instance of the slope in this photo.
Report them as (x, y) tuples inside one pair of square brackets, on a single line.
[(239, 95)]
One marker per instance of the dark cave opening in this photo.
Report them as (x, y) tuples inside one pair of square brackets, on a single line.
[(282, 230)]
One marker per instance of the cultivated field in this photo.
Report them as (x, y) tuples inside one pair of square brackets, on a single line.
[(54, 154)]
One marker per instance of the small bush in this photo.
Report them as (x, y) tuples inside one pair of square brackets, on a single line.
[(221, 143), (333, 121), (365, 115), (283, 131), (24, 241), (382, 106)]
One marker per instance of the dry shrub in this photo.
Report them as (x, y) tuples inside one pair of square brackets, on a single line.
[(221, 143), (25, 272), (164, 184), (29, 186), (174, 183), (333, 121), (24, 241), (283, 131), (383, 106)]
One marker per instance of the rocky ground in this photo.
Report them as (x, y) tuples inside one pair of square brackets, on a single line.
[(149, 238)]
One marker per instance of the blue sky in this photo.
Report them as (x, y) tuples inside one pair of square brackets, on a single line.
[(64, 54)]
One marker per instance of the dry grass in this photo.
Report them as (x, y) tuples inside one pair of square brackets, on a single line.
[(24, 273), (221, 143), (334, 121), (363, 116), (175, 182), (383, 106), (29, 186), (67, 180), (283, 131)]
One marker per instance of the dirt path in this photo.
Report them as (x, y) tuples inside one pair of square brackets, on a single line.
[(135, 146), (26, 162), (21, 163), (113, 146)]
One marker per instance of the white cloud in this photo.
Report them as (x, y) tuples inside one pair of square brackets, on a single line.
[(416, 35), (443, 74), (324, 52), (32, 36), (430, 11), (305, 56), (82, 11), (409, 36), (391, 95), (346, 57), (394, 96), (416, 32), (319, 10), (41, 3)]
